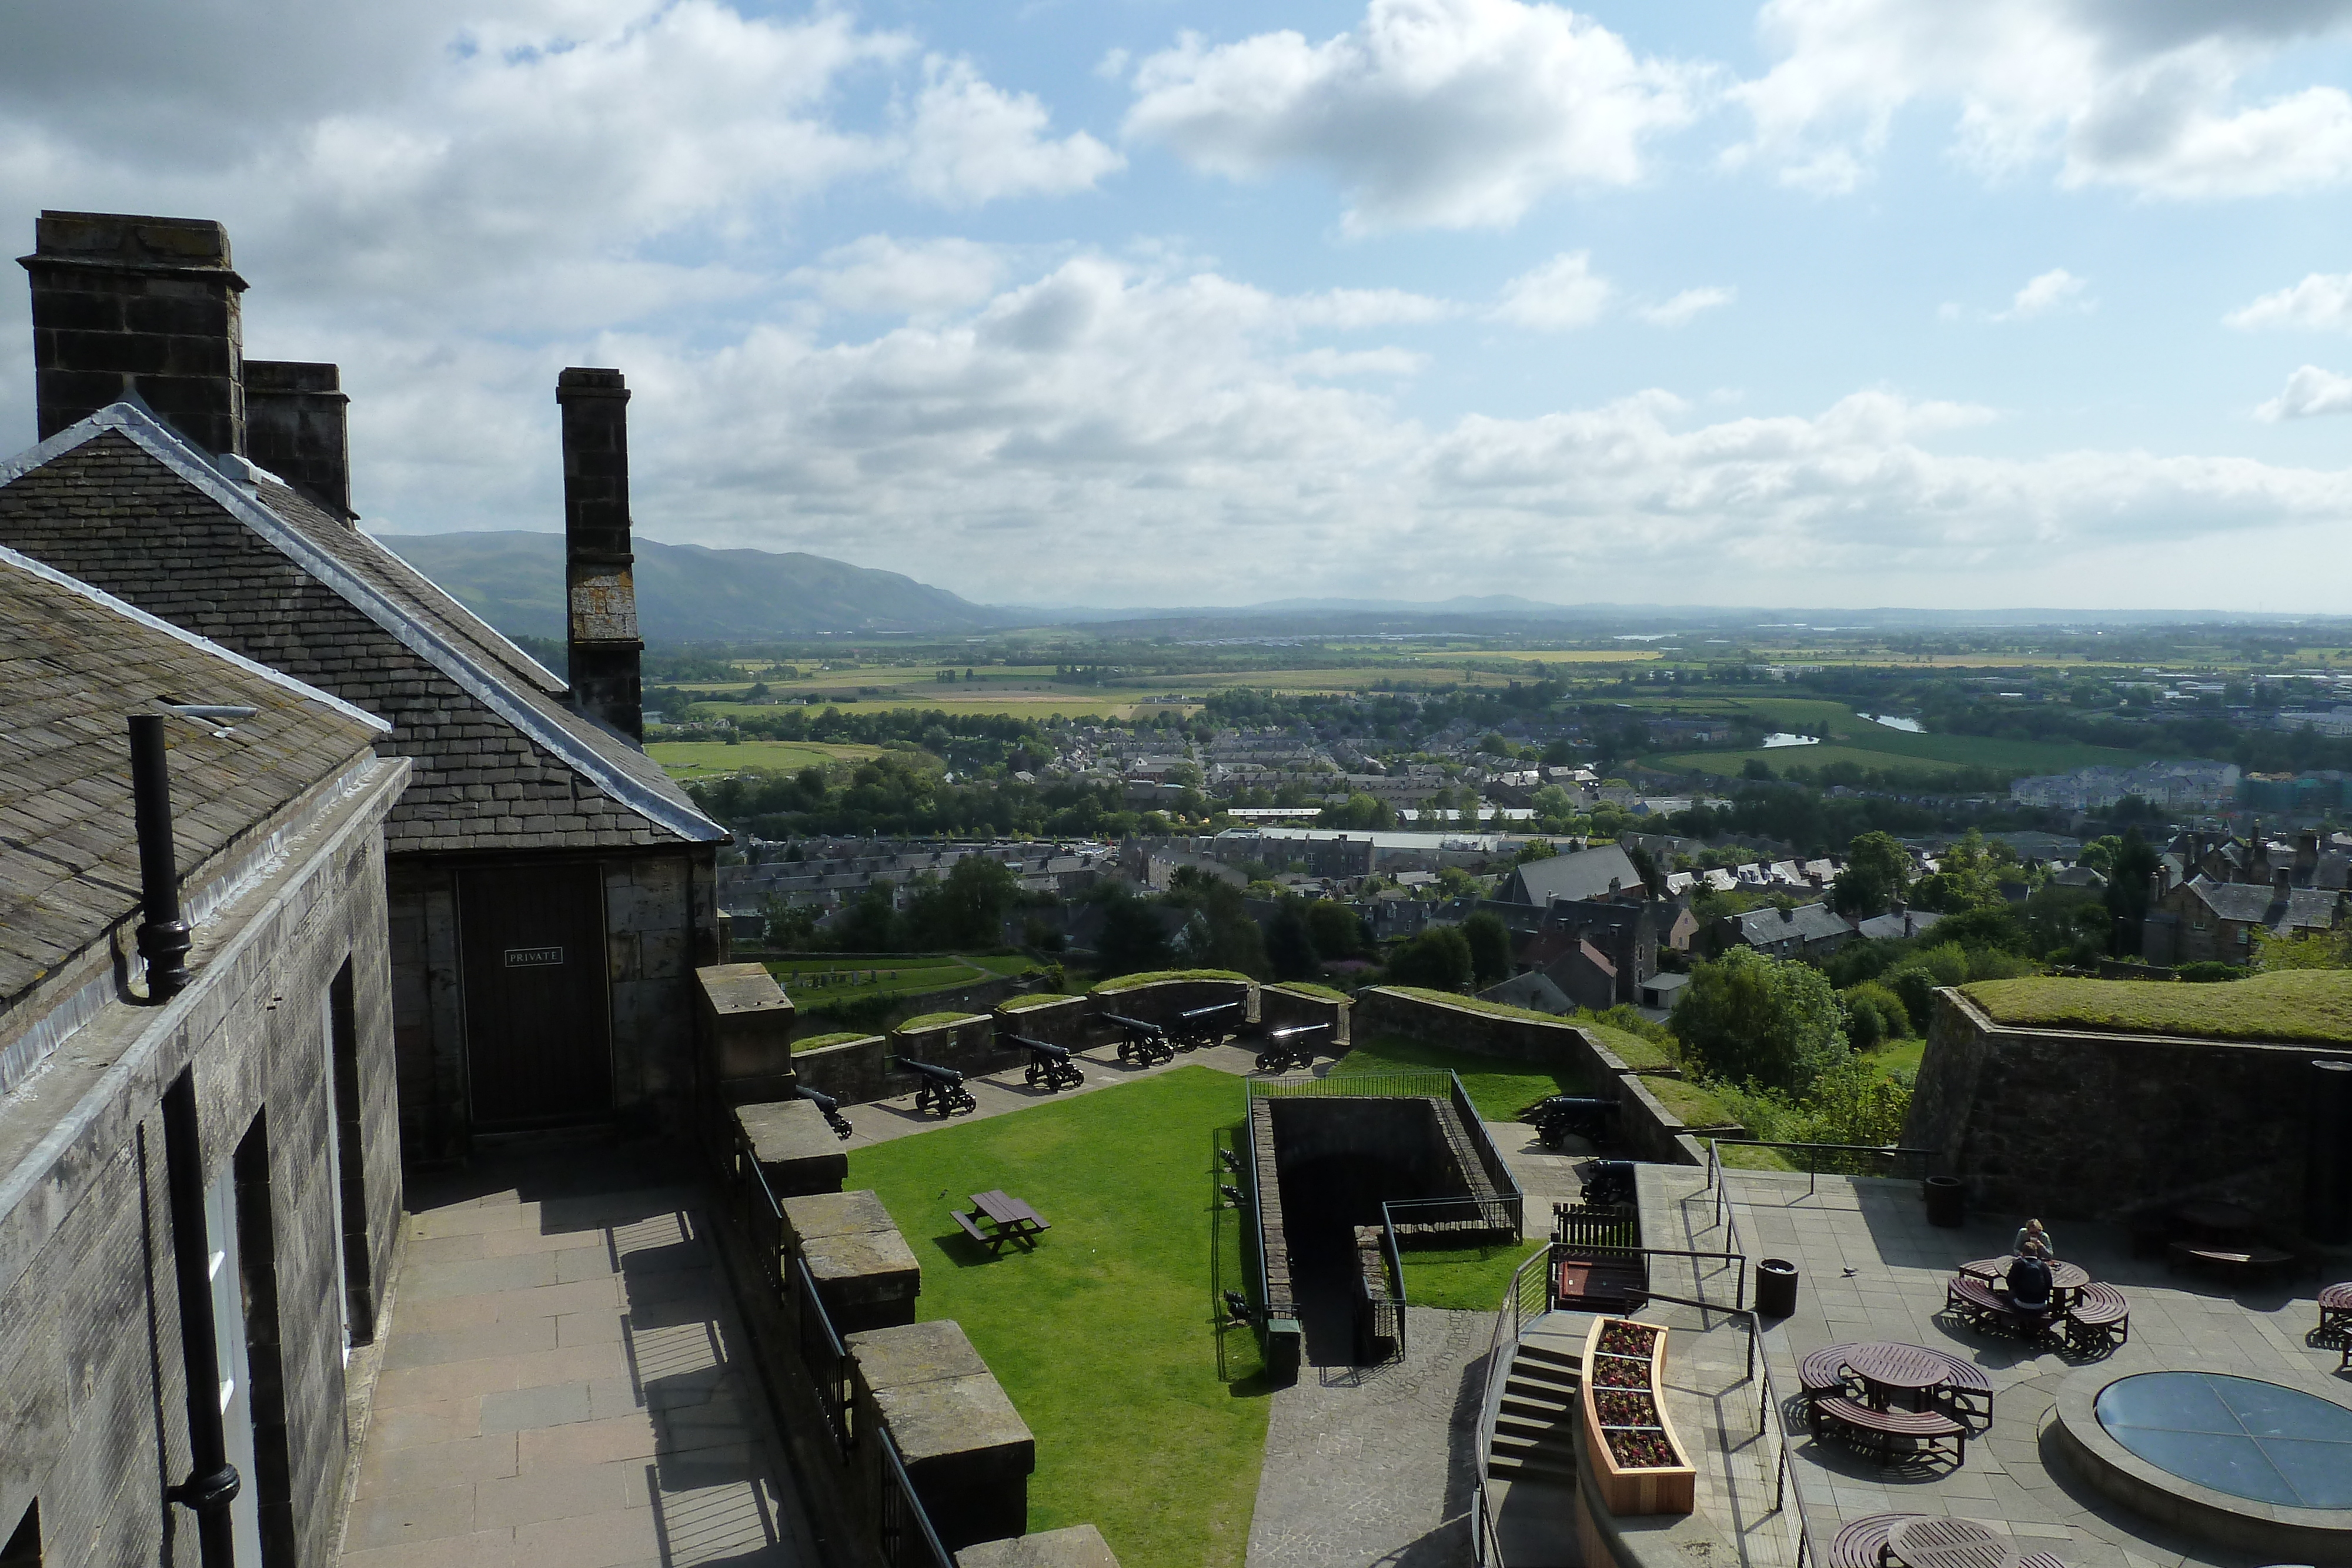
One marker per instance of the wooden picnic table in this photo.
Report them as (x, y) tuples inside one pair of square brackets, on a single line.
[(1887, 1368), (2335, 1309), (2216, 1218), (1010, 1219), (2065, 1278), (1938, 1541)]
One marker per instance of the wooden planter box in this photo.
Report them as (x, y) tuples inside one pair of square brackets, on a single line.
[(1628, 1490)]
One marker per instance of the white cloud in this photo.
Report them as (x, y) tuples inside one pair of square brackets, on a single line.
[(879, 275), (1561, 295), (2322, 300), (1430, 113), (971, 143), (2056, 290), (1325, 363), (2310, 391), (1687, 306), (2149, 97)]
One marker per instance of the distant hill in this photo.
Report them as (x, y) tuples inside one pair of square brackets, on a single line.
[(687, 593)]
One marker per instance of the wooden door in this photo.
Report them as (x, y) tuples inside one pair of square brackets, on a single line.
[(538, 1042)]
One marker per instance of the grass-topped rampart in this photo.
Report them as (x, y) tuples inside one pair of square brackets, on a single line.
[(1475, 1004), (938, 1020), (1035, 999), (819, 1042), (1160, 976), (2306, 1006)]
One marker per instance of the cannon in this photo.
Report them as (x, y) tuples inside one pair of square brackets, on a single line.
[(1206, 1026), (1233, 1160), (828, 1104), (942, 1089), (1583, 1115), (1144, 1044), (1609, 1183), (1285, 1049), (1237, 1309), (1052, 1065), (1230, 1193)]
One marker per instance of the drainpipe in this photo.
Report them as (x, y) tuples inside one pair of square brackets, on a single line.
[(213, 1481), (162, 935)]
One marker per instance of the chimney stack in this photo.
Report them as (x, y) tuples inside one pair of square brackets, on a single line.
[(296, 426), (604, 646), (131, 305)]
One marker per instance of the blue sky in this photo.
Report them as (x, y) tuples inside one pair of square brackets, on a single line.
[(1824, 302)]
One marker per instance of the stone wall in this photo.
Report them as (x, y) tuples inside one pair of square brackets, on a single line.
[(1647, 1128), (1160, 1001), (2079, 1125), (1069, 1022), (856, 1071), (1279, 1007), (285, 1036)]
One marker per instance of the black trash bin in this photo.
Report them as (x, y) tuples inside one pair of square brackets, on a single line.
[(1946, 1201), (1776, 1286)]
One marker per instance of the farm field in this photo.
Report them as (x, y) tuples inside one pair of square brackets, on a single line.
[(1108, 703), (711, 758), (1851, 738)]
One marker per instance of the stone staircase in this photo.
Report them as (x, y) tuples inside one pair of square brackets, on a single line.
[(1534, 1426)]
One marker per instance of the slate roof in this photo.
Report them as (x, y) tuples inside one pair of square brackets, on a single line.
[(1807, 923), (120, 501), (1892, 924), (74, 665), (1578, 876), (2253, 904)]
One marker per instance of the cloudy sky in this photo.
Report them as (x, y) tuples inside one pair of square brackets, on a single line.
[(1830, 302)]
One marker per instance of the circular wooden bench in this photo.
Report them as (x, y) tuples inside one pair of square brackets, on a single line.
[(1861, 1542), (1879, 1430), (2335, 1311), (2099, 1319)]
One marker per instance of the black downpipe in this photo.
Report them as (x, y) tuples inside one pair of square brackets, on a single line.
[(163, 935), (213, 1481)]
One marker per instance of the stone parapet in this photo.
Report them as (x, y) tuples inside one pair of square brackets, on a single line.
[(966, 1448), (793, 1148), (1079, 1546), (747, 1025), (864, 1273)]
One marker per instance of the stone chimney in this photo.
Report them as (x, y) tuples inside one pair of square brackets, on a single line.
[(125, 305), (2282, 883), (604, 646), (295, 426)]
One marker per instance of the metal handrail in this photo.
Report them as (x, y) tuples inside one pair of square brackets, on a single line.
[(1499, 1169), (1769, 1418), (894, 1533), (1404, 1082), (1486, 1546), (1257, 1224), (1715, 1166)]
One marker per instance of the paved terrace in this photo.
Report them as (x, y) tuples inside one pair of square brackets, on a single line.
[(563, 1384), (1872, 1267)]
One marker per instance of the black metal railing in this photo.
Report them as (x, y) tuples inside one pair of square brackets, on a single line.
[(824, 1355), (1499, 1170), (1528, 1298), (1465, 1212), (1820, 1160), (1400, 1083), (1596, 1224), (908, 1539)]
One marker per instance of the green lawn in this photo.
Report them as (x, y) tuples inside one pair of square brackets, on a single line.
[(1150, 1422), (1630, 1049), (1466, 1279), (1500, 1089), (711, 758), (1898, 1056), (2308, 1005), (1696, 1106)]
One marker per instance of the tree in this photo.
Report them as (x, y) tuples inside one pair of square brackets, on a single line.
[(1749, 1019), (1535, 849), (1336, 931), (2302, 950), (1437, 960), (2127, 894), (1131, 940), (1877, 871), (965, 910), (1219, 935), (1490, 948), (872, 925), (1290, 943)]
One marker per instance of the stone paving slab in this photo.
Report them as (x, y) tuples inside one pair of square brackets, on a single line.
[(563, 1384), (1871, 1268), (1376, 1464)]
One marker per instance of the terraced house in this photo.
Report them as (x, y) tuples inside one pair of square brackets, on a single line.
[(550, 890)]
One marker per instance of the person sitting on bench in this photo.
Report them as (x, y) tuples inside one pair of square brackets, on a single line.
[(2031, 1231), (2029, 1283)]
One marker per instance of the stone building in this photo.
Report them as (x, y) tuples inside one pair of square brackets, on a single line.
[(200, 1183), (2204, 921), (1799, 931), (550, 889)]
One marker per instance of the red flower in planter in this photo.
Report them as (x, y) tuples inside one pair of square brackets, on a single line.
[(1611, 1372), (1641, 1450), (1624, 1407), (1622, 1338)]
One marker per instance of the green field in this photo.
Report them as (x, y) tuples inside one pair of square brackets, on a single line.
[(712, 758), (1149, 1416), (1848, 737)]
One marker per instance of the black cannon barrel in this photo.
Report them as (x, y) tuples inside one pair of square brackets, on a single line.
[(823, 1102), (1195, 1014), (1588, 1103), (1133, 1026), (936, 1074), (1043, 1048), (1297, 1032)]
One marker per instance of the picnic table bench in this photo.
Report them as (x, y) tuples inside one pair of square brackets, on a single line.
[(1013, 1220), (2065, 1278), (2098, 1317), (1985, 1308), (2234, 1259), (2336, 1311), (1964, 1392), (1877, 1431), (1864, 1543)]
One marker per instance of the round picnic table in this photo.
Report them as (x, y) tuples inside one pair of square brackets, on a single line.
[(2065, 1278), (1935, 1541), (2335, 1309), (1887, 1368)]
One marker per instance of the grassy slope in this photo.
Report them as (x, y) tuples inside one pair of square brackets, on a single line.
[(1630, 1049), (1695, 1105), (2312, 1005), (1105, 1337), (1498, 1088)]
